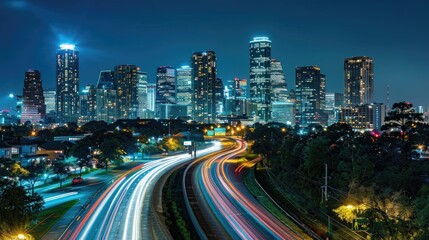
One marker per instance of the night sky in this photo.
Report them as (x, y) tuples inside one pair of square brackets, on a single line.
[(156, 33)]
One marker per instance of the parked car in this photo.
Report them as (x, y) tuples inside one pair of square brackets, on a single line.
[(77, 180)]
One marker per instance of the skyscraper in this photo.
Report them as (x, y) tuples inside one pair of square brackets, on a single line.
[(142, 94), (50, 102), (33, 101), (67, 83), (165, 86), (184, 87), (204, 82), (260, 78), (151, 96), (310, 95), (125, 81), (87, 104), (106, 97), (358, 80), (278, 82), (219, 95)]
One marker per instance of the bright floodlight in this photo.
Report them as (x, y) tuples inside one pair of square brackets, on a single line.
[(11, 95), (67, 46)]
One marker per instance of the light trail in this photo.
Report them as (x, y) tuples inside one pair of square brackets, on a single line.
[(235, 210), (118, 213), (60, 196)]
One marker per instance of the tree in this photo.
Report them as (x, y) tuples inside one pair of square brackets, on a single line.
[(422, 205), (17, 208), (35, 171), (111, 150), (60, 168), (404, 117), (9, 168), (81, 163)]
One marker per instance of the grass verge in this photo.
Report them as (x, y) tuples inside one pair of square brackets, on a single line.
[(48, 217), (262, 197)]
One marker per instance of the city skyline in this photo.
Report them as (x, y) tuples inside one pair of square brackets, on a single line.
[(394, 46)]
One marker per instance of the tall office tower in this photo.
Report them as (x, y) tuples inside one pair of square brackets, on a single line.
[(33, 101), (106, 109), (310, 95), (220, 97), (235, 96), (165, 87), (142, 94), (87, 104), (67, 83), (260, 78), (151, 96), (278, 82), (184, 87), (125, 81), (333, 103), (204, 82), (283, 112), (358, 80), (50, 95)]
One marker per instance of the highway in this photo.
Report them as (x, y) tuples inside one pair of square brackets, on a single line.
[(124, 210), (229, 202)]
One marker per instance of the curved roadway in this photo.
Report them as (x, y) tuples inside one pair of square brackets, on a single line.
[(124, 210), (235, 209)]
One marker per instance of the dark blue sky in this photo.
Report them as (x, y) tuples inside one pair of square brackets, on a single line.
[(154, 33)]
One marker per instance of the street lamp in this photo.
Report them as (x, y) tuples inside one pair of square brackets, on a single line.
[(21, 236)]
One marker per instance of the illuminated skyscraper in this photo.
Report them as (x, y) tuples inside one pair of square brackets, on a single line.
[(87, 104), (33, 102), (67, 83), (165, 86), (142, 94), (310, 95), (151, 96), (358, 80), (125, 81), (184, 87), (204, 82), (219, 95), (278, 82), (106, 97), (50, 102), (260, 78)]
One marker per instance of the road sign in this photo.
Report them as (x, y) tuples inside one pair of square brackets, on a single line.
[(220, 131), (210, 133), (187, 143), (360, 224)]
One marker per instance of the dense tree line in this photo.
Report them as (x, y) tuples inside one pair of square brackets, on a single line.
[(373, 175)]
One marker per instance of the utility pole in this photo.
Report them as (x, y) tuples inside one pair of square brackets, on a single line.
[(325, 199), (325, 187)]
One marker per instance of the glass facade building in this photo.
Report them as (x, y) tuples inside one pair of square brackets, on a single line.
[(106, 109), (33, 101), (142, 94), (184, 87), (310, 95), (67, 106), (204, 82), (260, 78), (278, 82), (126, 81), (358, 81)]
